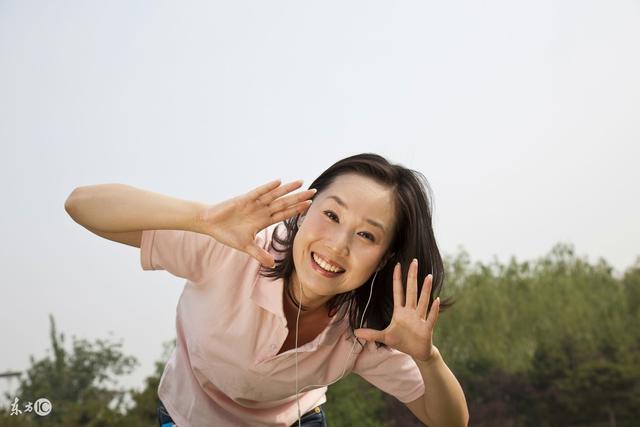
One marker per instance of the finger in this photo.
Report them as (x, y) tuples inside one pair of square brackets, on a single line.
[(434, 313), (270, 196), (398, 295), (369, 334), (263, 189), (291, 199), (425, 296), (412, 284), (299, 208), (263, 257)]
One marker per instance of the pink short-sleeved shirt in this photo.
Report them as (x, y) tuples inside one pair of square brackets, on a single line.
[(230, 324)]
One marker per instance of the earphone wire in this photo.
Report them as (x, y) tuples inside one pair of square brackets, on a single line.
[(346, 361)]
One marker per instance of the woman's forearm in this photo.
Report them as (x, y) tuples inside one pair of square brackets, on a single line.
[(444, 399), (121, 207)]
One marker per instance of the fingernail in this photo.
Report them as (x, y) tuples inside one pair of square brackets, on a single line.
[(415, 260)]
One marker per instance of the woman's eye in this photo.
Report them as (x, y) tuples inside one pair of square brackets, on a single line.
[(331, 215), (369, 236), (334, 217)]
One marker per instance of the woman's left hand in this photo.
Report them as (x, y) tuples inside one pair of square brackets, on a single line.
[(410, 330)]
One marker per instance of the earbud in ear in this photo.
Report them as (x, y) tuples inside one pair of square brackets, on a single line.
[(300, 219)]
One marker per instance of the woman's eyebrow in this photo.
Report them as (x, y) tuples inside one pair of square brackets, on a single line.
[(344, 205)]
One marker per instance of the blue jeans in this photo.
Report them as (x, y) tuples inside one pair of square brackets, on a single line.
[(164, 420), (313, 418)]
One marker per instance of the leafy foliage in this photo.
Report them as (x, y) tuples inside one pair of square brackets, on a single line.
[(352, 402), (81, 384)]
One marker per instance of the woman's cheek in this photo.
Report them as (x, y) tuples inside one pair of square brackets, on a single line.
[(318, 228)]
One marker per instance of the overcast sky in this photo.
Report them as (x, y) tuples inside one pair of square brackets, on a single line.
[(523, 116)]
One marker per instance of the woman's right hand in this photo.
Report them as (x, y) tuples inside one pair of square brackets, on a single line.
[(235, 222)]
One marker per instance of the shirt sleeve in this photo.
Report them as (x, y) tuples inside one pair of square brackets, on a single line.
[(185, 254), (391, 371)]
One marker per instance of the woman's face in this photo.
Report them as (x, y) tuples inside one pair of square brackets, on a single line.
[(349, 226)]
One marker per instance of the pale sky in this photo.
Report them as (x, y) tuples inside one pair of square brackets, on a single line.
[(523, 116)]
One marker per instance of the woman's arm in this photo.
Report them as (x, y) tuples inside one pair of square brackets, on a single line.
[(444, 404), (118, 211), (131, 238), (119, 208)]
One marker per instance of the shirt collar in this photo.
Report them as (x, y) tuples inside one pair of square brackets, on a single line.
[(267, 292)]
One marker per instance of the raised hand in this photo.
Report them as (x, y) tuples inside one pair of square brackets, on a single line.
[(410, 330), (235, 222)]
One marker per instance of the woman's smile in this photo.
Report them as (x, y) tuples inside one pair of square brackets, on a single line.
[(323, 267)]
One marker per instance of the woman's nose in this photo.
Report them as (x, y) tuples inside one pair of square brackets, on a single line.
[(340, 243)]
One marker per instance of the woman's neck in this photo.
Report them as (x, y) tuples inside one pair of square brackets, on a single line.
[(291, 305)]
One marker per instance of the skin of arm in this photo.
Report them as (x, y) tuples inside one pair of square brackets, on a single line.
[(118, 208), (443, 403)]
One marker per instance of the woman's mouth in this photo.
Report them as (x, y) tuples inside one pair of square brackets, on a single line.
[(324, 268)]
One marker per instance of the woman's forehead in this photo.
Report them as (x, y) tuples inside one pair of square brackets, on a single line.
[(353, 181)]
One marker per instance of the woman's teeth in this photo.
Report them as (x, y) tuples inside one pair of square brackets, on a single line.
[(326, 266)]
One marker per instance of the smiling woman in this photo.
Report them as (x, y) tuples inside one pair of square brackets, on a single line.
[(280, 287), (366, 216)]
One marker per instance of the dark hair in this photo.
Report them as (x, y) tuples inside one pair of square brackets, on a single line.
[(412, 238)]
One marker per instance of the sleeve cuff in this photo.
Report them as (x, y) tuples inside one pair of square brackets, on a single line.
[(418, 392), (146, 245)]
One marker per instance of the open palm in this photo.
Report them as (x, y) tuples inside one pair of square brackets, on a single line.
[(410, 330), (235, 222)]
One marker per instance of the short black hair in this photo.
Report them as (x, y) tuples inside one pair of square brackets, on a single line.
[(412, 238)]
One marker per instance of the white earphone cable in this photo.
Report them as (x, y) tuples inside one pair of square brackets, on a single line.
[(350, 353)]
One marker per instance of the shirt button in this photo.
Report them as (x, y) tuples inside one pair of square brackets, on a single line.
[(273, 347)]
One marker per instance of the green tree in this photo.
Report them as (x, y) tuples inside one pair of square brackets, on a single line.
[(354, 402), (79, 383), (525, 336), (145, 402), (601, 390)]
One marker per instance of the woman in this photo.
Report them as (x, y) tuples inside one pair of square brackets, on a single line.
[(252, 336)]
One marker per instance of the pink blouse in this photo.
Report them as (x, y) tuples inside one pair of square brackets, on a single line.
[(230, 324)]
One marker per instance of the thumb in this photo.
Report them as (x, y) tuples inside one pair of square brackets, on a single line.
[(264, 257), (369, 334)]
